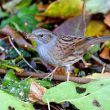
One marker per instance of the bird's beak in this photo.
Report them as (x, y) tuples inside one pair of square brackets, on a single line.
[(30, 36)]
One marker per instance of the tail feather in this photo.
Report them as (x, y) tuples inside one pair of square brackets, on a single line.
[(93, 40)]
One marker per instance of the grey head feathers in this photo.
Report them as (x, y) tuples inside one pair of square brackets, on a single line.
[(43, 36)]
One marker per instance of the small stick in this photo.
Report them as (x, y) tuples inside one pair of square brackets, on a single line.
[(19, 53), (55, 77), (101, 62)]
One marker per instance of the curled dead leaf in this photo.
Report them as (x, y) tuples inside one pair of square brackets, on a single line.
[(107, 19), (60, 71), (36, 92), (105, 54), (7, 30)]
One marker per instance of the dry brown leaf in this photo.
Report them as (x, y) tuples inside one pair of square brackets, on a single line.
[(36, 92), (60, 71), (42, 7), (107, 19), (105, 54), (7, 30), (72, 26), (40, 18)]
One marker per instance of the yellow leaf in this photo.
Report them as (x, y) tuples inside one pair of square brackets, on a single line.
[(96, 28), (64, 8)]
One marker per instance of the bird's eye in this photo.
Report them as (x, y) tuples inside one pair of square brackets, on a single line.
[(41, 35)]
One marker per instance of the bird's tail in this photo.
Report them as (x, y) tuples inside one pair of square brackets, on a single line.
[(93, 40)]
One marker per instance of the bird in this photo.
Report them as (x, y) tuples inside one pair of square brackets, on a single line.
[(63, 50)]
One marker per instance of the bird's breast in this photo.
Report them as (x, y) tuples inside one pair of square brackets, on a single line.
[(46, 55)]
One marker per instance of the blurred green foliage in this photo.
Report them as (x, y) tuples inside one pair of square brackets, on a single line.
[(13, 85), (22, 20)]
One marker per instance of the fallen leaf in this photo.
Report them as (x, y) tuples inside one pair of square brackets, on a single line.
[(9, 102), (16, 36), (64, 8), (91, 96), (107, 19), (105, 54), (96, 28), (72, 26), (39, 18), (36, 92), (60, 71)]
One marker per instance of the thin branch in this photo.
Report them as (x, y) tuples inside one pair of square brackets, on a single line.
[(101, 62), (19, 53), (55, 77)]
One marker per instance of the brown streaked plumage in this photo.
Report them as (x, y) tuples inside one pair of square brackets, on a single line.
[(62, 50)]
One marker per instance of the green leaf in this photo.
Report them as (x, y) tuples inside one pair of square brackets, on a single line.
[(91, 96), (101, 6), (3, 14), (23, 20), (23, 3), (9, 102), (13, 54), (10, 78), (64, 8), (14, 86), (25, 23), (107, 43), (9, 21), (10, 64), (23, 88), (28, 11), (28, 23), (45, 83), (92, 50)]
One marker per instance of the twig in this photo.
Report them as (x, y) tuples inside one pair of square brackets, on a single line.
[(101, 62), (55, 77), (19, 53)]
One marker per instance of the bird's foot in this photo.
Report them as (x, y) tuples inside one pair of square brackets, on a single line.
[(85, 63), (50, 75)]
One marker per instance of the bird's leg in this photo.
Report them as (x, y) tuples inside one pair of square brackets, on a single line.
[(68, 71), (51, 74), (80, 57), (103, 69), (85, 63)]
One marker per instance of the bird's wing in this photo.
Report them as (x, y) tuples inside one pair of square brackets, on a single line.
[(66, 44)]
